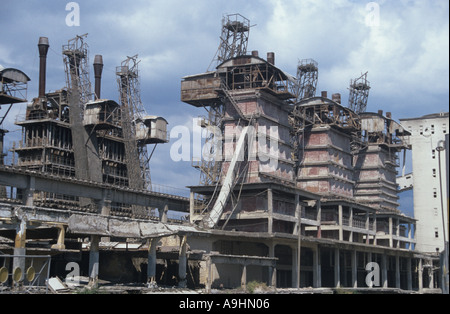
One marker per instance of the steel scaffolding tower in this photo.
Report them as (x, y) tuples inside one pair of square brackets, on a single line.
[(132, 110), (359, 94), (76, 60), (234, 38), (307, 77)]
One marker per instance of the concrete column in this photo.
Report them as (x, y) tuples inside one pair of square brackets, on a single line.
[(391, 239), (298, 213), (191, 207), (420, 275), (209, 275), (272, 270), (61, 237), (273, 277), (182, 263), (354, 269), (270, 210), (28, 197), (367, 228), (409, 274), (384, 277), (244, 277), (151, 267), (294, 271), (317, 276), (431, 275), (341, 229), (319, 219), (94, 259), (375, 229), (19, 247), (163, 213), (344, 280), (350, 222), (410, 236), (105, 203), (337, 268), (397, 271), (397, 233)]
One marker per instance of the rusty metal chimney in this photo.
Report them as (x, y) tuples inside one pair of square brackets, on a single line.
[(324, 94), (271, 57), (336, 98), (255, 53), (43, 46), (98, 69)]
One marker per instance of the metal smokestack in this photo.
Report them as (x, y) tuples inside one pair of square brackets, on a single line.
[(98, 69), (43, 46), (271, 57)]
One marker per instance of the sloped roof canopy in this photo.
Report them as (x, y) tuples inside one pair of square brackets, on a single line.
[(11, 75)]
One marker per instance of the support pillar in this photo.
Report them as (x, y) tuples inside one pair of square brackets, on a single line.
[(163, 213), (61, 237), (319, 219), (105, 202), (94, 259), (431, 275), (354, 269), (397, 271), (341, 223), (420, 275), (391, 239), (270, 210), (409, 274), (298, 213), (337, 268), (317, 276), (28, 197), (209, 275), (294, 271), (384, 277), (367, 228), (182, 263), (350, 223), (19, 247), (244, 277), (375, 229), (191, 207), (151, 267), (272, 270)]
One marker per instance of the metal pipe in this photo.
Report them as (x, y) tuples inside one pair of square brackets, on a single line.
[(98, 69), (43, 46)]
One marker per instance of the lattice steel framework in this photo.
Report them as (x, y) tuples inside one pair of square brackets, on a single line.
[(359, 94), (233, 40), (132, 110), (76, 61), (307, 77)]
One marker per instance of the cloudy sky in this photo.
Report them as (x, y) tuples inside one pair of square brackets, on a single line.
[(403, 44)]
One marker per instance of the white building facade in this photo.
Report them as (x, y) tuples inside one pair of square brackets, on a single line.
[(429, 145)]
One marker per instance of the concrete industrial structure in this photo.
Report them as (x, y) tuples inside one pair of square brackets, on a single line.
[(297, 191), (429, 146)]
